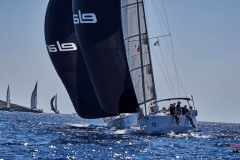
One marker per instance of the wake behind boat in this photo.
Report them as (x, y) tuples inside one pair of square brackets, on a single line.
[(122, 121)]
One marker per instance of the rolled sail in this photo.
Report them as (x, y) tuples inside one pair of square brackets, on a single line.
[(67, 59), (99, 30)]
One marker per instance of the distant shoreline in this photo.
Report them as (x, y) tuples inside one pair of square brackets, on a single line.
[(17, 108)]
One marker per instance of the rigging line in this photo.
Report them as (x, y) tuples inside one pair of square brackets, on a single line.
[(158, 19), (168, 76), (167, 35), (182, 85), (163, 73), (172, 50), (166, 70), (172, 53), (175, 66), (164, 9), (158, 13)]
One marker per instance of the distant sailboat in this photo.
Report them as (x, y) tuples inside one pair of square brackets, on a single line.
[(6, 106), (8, 97), (34, 99), (53, 103), (115, 45)]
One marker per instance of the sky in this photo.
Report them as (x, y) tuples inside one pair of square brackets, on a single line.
[(206, 41)]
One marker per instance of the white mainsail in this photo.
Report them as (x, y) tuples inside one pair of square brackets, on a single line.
[(140, 66), (137, 50), (8, 97), (34, 97)]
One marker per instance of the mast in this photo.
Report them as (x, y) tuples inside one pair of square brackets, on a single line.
[(141, 57), (135, 38), (153, 82)]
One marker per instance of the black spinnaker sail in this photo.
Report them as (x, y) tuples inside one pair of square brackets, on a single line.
[(67, 59), (54, 104), (99, 31)]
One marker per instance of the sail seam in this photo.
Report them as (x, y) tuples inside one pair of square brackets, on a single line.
[(139, 67), (131, 4), (135, 36)]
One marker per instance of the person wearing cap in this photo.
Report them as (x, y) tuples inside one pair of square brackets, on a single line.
[(184, 110), (178, 107)]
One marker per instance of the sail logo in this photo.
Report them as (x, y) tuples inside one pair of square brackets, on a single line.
[(62, 47), (84, 18)]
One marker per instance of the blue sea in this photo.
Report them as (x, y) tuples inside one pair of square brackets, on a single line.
[(67, 136)]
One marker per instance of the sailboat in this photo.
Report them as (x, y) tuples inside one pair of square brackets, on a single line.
[(114, 40), (33, 102), (53, 103), (8, 98), (8, 106), (103, 59)]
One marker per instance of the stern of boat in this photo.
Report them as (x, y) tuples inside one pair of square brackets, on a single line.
[(162, 124)]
